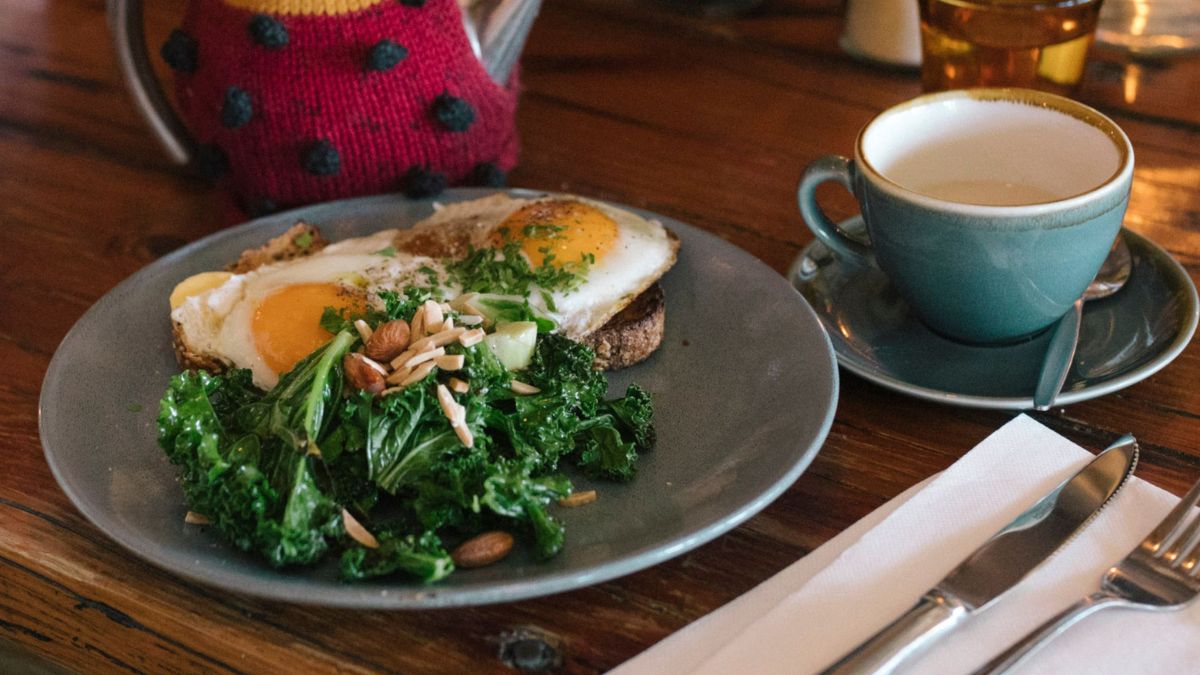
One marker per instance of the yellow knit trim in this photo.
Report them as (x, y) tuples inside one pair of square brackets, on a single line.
[(303, 7)]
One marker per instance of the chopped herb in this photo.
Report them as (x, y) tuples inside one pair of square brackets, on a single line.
[(303, 240), (389, 252), (507, 272)]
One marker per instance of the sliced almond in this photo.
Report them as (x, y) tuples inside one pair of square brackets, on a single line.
[(448, 324), (450, 361), (364, 330), (363, 373), (470, 319), (398, 375), (357, 532), (483, 549), (418, 373), (449, 405), (391, 390), (458, 386), (464, 435), (437, 340), (433, 315), (521, 388), (445, 307), (417, 323), (193, 518), (424, 356), (471, 337), (389, 341), (578, 498)]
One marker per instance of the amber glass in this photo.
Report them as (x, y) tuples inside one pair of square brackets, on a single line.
[(1040, 44)]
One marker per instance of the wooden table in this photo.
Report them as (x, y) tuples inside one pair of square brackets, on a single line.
[(707, 121)]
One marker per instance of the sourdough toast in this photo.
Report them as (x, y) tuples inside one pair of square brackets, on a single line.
[(627, 338)]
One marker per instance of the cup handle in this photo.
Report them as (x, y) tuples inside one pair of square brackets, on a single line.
[(129, 43), (827, 168)]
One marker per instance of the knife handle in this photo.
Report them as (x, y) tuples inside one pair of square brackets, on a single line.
[(935, 615)]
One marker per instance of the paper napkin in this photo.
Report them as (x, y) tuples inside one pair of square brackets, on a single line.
[(811, 613)]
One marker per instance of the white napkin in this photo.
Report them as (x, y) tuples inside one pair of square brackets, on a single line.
[(811, 613)]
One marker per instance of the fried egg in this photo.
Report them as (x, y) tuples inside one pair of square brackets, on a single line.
[(627, 252), (268, 319)]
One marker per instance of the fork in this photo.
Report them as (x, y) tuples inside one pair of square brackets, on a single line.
[(1160, 574)]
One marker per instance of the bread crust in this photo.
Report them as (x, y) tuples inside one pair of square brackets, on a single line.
[(298, 241), (633, 334), (191, 360)]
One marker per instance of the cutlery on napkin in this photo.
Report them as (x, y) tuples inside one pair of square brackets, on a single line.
[(811, 613)]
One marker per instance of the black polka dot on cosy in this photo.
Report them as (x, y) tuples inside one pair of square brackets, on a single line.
[(454, 113), (268, 31), (384, 55), (237, 109), (181, 52), (413, 3), (487, 174), (320, 158), (262, 207), (420, 182), (211, 161)]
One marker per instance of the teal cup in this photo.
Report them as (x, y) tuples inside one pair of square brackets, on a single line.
[(990, 210)]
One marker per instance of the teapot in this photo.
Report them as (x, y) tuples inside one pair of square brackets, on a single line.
[(288, 102)]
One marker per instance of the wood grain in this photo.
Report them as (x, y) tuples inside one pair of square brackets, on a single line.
[(707, 121)]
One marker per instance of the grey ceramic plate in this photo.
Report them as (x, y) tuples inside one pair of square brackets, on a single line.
[(1123, 339), (745, 387)]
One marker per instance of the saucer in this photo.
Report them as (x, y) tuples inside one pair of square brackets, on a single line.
[(1123, 339)]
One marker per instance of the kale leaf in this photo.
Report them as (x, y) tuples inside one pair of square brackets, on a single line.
[(422, 557)]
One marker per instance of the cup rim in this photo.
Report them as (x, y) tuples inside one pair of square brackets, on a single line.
[(1060, 104)]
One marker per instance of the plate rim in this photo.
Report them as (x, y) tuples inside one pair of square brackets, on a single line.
[(413, 596), (1017, 403)]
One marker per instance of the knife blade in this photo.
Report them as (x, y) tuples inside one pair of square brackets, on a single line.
[(998, 565)]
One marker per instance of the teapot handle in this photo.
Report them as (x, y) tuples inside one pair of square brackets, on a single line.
[(129, 43)]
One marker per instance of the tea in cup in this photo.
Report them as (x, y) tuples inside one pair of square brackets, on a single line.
[(990, 210)]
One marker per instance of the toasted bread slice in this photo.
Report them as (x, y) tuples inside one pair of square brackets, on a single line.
[(300, 240), (633, 334), (625, 339)]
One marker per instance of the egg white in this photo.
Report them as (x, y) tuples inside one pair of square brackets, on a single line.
[(218, 323)]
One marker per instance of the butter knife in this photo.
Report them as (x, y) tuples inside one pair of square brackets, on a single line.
[(998, 565)]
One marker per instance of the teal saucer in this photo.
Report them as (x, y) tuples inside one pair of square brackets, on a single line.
[(1123, 339)]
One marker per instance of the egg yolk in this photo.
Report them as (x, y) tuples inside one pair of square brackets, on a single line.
[(566, 230), (287, 323)]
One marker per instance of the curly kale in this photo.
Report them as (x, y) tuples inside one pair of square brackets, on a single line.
[(272, 471)]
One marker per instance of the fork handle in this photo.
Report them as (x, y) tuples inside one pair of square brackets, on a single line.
[(1052, 628), (935, 615)]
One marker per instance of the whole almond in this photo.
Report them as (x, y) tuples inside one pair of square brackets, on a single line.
[(362, 375), (388, 341), (483, 549)]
